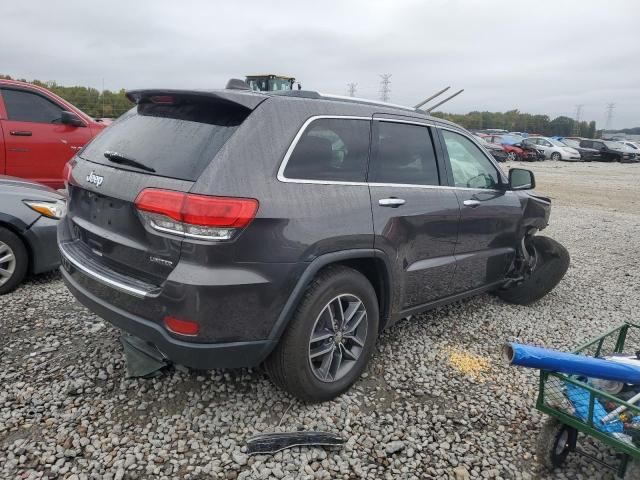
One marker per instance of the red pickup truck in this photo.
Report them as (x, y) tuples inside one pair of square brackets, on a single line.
[(40, 132)]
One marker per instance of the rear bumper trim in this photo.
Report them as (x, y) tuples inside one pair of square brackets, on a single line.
[(105, 276)]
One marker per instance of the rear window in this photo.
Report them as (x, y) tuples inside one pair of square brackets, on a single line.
[(176, 140)]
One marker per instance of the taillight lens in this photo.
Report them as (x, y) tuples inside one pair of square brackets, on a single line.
[(195, 216), (66, 174), (181, 327)]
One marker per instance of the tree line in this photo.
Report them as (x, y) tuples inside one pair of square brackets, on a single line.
[(515, 121), (108, 104)]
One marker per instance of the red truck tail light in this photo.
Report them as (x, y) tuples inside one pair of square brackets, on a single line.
[(195, 216), (66, 174)]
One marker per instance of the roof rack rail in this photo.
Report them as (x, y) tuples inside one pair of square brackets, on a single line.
[(328, 96)]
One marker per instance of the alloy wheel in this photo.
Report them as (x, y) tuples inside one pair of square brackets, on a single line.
[(7, 263), (338, 338), (511, 156)]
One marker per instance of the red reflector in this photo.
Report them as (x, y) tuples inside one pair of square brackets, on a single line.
[(183, 327), (202, 210)]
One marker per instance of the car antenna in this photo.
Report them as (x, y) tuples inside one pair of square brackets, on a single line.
[(432, 97), (430, 109)]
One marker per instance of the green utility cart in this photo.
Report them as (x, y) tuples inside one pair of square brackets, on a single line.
[(577, 409)]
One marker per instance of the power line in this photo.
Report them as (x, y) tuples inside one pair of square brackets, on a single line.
[(610, 107), (385, 89), (352, 89)]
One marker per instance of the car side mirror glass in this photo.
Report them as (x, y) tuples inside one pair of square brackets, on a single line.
[(521, 179), (69, 118)]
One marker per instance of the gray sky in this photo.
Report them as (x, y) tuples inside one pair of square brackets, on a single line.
[(538, 57)]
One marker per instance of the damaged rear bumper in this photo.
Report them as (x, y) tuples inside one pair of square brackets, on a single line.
[(190, 354)]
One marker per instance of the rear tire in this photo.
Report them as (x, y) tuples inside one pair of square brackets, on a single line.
[(297, 364), (14, 261), (555, 442), (552, 262)]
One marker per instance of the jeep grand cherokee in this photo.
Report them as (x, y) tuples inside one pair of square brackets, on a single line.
[(232, 228)]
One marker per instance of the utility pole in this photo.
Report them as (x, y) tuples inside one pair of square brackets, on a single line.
[(103, 97), (385, 89), (352, 89), (576, 125), (610, 107)]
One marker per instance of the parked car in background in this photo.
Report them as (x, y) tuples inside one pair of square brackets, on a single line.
[(29, 215), (228, 244), (514, 147), (610, 151), (40, 132), (497, 151), (553, 149), (586, 154), (631, 146)]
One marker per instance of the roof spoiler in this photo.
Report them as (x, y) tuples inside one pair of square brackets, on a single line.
[(246, 99)]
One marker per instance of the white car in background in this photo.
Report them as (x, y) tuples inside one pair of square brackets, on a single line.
[(553, 149), (632, 146)]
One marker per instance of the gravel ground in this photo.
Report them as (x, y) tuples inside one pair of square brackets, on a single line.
[(436, 401)]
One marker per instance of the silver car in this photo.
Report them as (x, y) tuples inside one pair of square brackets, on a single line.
[(29, 215), (554, 149)]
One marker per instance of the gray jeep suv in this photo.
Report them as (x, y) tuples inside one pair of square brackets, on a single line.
[(231, 228)]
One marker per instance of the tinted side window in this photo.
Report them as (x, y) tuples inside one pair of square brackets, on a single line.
[(470, 167), (29, 107), (331, 149), (404, 154)]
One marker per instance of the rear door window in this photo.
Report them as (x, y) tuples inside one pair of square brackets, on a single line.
[(177, 138), (30, 107), (331, 149), (404, 154)]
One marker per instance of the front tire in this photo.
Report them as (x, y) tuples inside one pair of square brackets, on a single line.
[(330, 338), (14, 261), (556, 156), (551, 263), (511, 156)]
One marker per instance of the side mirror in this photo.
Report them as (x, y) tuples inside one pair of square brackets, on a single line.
[(69, 118), (521, 179)]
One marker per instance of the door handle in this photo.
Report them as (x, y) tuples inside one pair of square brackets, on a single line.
[(391, 202), (20, 133), (471, 203)]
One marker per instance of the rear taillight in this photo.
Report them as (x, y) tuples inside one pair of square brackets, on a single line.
[(195, 216), (181, 327), (66, 174)]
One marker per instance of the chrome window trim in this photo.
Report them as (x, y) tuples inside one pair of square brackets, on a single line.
[(484, 152), (283, 165), (136, 292), (409, 122)]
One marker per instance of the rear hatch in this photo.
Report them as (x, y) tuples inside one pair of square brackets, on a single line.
[(165, 142)]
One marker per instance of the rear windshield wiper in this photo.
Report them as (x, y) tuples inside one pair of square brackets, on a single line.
[(115, 157)]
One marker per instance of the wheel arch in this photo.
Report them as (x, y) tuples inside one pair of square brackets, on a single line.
[(18, 227), (371, 263)]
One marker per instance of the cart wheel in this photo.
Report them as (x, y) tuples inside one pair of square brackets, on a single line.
[(633, 470), (555, 442)]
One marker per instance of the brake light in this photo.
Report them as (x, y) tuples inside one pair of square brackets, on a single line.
[(195, 216), (181, 327), (66, 174)]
